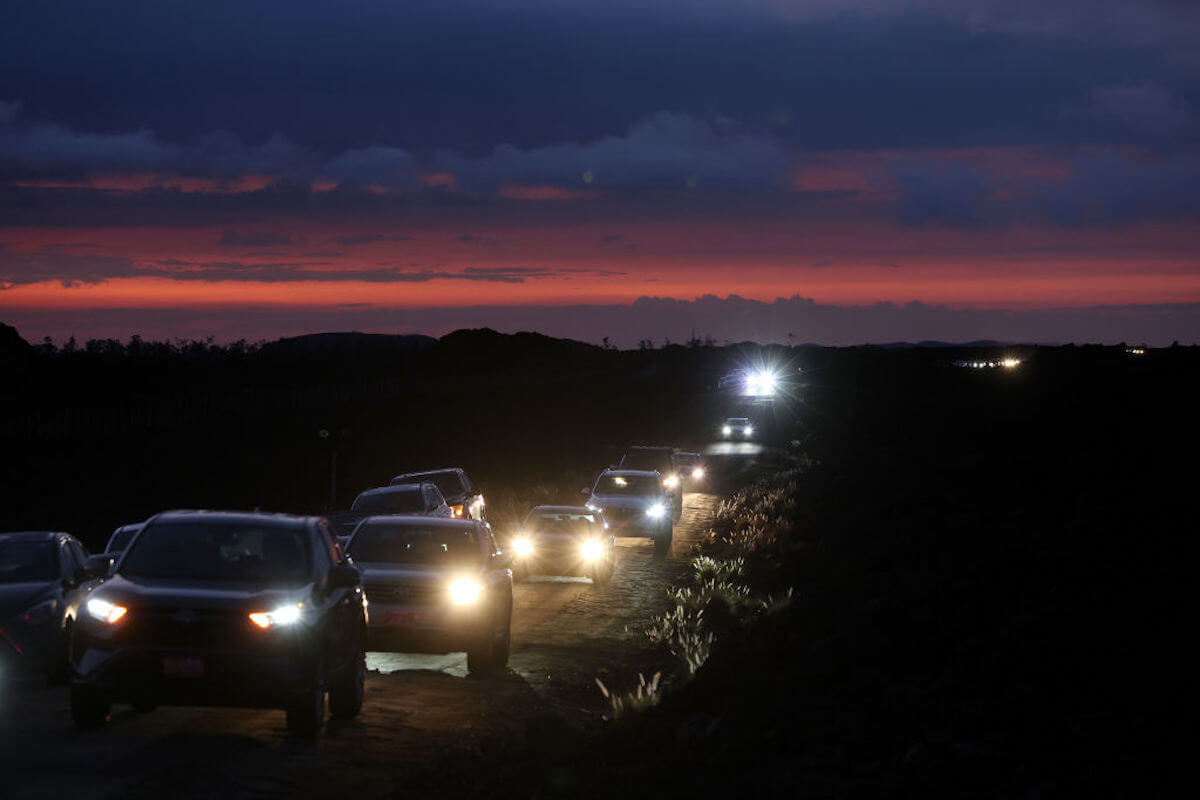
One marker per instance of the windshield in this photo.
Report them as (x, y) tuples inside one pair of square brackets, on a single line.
[(392, 543), (627, 484), (121, 540), (448, 482), (737, 421), (404, 501), (220, 551), (560, 521), (27, 561), (647, 460)]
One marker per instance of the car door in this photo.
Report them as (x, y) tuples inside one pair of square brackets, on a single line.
[(334, 600), (75, 597), (499, 577)]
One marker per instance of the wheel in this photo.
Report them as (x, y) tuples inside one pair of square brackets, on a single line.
[(346, 693), (144, 705), (662, 542), (89, 707), (490, 653), (58, 672), (307, 712)]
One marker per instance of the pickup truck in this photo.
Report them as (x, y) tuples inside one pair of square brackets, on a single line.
[(415, 499), (464, 499)]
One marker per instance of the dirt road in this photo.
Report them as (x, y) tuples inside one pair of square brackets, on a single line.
[(420, 710)]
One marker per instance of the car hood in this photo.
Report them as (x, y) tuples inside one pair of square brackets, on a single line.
[(625, 501), (145, 593), (18, 597), (375, 572)]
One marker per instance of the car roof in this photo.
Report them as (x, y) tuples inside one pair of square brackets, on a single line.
[(423, 522), (259, 517), (419, 473), (653, 473), (133, 526), (688, 454), (396, 489), (737, 419), (31, 536)]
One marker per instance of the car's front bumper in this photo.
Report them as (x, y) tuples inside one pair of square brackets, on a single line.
[(267, 675), (420, 628)]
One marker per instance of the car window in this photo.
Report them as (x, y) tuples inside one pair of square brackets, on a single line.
[(27, 561), (560, 521), (242, 552), (120, 540), (449, 483), (392, 543), (627, 484), (402, 501)]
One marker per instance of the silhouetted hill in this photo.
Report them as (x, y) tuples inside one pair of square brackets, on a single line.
[(12, 346), (351, 341), (484, 346)]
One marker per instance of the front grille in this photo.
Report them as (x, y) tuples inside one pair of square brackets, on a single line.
[(404, 593), (188, 628)]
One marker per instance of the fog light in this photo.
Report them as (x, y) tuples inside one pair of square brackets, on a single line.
[(464, 591), (592, 550), (698, 473)]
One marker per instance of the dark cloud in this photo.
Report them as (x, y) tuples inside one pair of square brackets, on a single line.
[(470, 238), (353, 240), (253, 239), (1142, 107), (938, 191), (732, 319), (19, 267), (1115, 188)]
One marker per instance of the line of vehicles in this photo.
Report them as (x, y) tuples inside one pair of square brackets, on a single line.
[(266, 610)]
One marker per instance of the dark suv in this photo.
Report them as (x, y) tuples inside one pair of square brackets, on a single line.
[(461, 495), (662, 461), (225, 609)]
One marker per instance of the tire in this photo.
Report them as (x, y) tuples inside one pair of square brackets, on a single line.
[(306, 713), (144, 705), (89, 707), (662, 542), (346, 693), (490, 653)]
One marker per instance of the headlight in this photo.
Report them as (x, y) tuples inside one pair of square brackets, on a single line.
[(465, 591), (749, 429), (698, 473), (725, 429), (106, 611), (655, 511), (522, 547), (671, 481), (457, 509), (592, 550), (284, 615), (40, 613)]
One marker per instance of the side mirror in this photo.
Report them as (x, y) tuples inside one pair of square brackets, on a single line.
[(344, 576), (585, 491), (95, 567)]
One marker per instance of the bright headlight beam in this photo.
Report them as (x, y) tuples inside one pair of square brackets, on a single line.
[(106, 611), (698, 473), (465, 591), (522, 547), (284, 615), (592, 550), (656, 510), (671, 481)]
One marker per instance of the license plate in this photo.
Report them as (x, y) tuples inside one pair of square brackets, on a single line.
[(183, 667)]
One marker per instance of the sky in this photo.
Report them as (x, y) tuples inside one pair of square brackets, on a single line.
[(829, 171)]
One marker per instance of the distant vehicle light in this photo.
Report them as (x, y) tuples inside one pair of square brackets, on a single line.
[(726, 430), (749, 429), (655, 511), (698, 473), (671, 481), (458, 509), (761, 383), (282, 616), (106, 611), (522, 547), (619, 480), (592, 550), (465, 591)]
